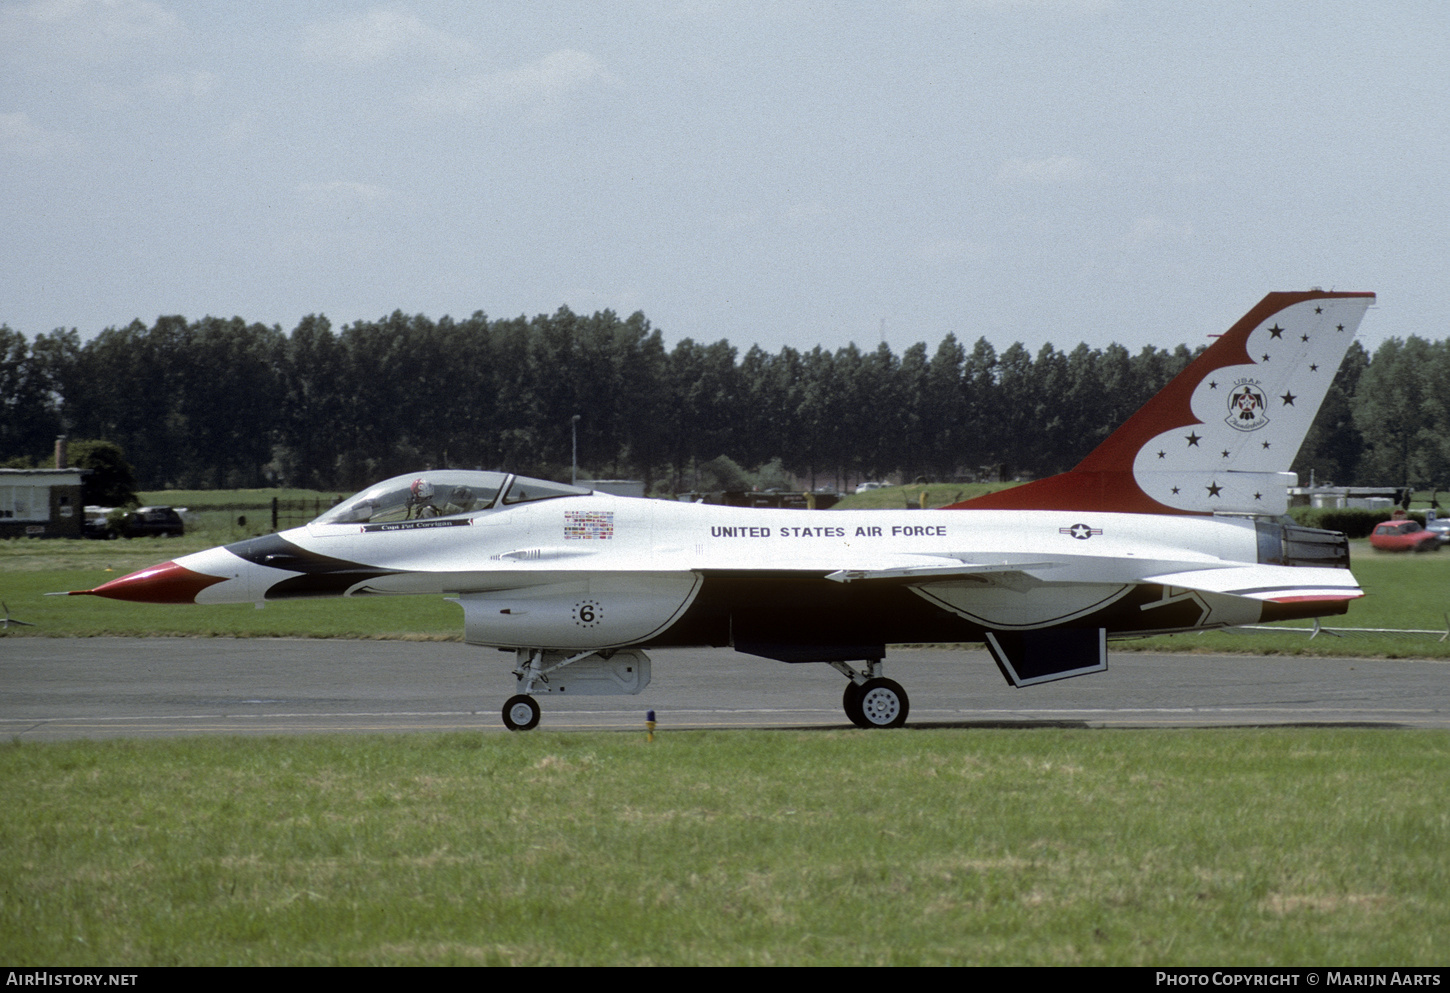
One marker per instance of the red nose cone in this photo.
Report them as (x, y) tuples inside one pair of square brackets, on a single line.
[(165, 583)]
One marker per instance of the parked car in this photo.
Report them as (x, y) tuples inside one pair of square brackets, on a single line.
[(153, 521), (1404, 536), (97, 522)]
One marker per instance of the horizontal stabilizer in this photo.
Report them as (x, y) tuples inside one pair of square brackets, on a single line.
[(916, 575), (1274, 583)]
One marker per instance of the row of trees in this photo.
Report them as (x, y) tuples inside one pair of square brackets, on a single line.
[(224, 403)]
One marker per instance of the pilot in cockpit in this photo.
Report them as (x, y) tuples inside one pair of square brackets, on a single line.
[(420, 500)]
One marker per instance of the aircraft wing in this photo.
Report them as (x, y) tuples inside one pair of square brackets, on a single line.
[(1276, 583)]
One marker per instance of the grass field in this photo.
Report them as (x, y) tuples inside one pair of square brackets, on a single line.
[(898, 497), (806, 848)]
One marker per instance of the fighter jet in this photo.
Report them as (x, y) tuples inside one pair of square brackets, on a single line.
[(1174, 523)]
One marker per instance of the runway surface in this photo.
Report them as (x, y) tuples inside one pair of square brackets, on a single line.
[(57, 688)]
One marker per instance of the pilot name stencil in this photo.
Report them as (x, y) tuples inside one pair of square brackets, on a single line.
[(415, 525)]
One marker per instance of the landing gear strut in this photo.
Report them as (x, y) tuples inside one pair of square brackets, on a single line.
[(870, 700), (521, 712)]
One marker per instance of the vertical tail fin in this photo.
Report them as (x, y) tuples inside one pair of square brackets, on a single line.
[(1221, 436)]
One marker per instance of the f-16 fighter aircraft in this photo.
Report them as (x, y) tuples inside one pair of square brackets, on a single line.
[(1171, 524)]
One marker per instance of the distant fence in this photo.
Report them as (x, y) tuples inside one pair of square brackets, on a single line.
[(1339, 632), (747, 498), (295, 513)]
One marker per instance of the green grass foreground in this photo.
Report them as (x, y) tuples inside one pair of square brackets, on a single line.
[(1251, 847)]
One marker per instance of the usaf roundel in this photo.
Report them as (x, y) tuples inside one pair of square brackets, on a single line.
[(1247, 408)]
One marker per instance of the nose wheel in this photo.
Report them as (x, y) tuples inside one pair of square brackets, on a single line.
[(520, 713)]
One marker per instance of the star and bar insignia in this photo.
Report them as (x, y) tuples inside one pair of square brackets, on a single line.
[(1080, 531)]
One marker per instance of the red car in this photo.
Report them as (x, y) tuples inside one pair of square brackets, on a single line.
[(1403, 536)]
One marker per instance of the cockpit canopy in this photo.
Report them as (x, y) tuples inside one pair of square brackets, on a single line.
[(441, 493)]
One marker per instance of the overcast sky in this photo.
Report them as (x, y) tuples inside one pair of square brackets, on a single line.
[(778, 173)]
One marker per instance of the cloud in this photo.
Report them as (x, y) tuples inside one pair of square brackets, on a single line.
[(174, 88), (342, 193), (240, 130), (804, 213), (772, 218), (114, 53), (171, 89), (948, 251), (378, 36), (67, 32), (1071, 8), (538, 83), (740, 221), (339, 219), (1152, 229), (1049, 171), (19, 137)]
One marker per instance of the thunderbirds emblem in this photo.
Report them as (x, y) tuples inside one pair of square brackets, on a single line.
[(1247, 408)]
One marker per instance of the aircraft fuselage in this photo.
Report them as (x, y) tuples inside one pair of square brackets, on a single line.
[(649, 572)]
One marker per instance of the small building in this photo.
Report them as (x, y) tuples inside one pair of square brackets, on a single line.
[(784, 501), (1340, 497), (41, 503), (616, 487)]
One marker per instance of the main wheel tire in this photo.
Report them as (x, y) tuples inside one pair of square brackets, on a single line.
[(851, 702), (883, 704), (520, 713)]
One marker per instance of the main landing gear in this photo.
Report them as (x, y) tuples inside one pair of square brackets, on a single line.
[(870, 700)]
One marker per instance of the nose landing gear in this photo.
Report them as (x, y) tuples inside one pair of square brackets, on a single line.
[(521, 713), (589, 673)]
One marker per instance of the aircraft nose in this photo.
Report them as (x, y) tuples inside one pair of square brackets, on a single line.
[(164, 583)]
